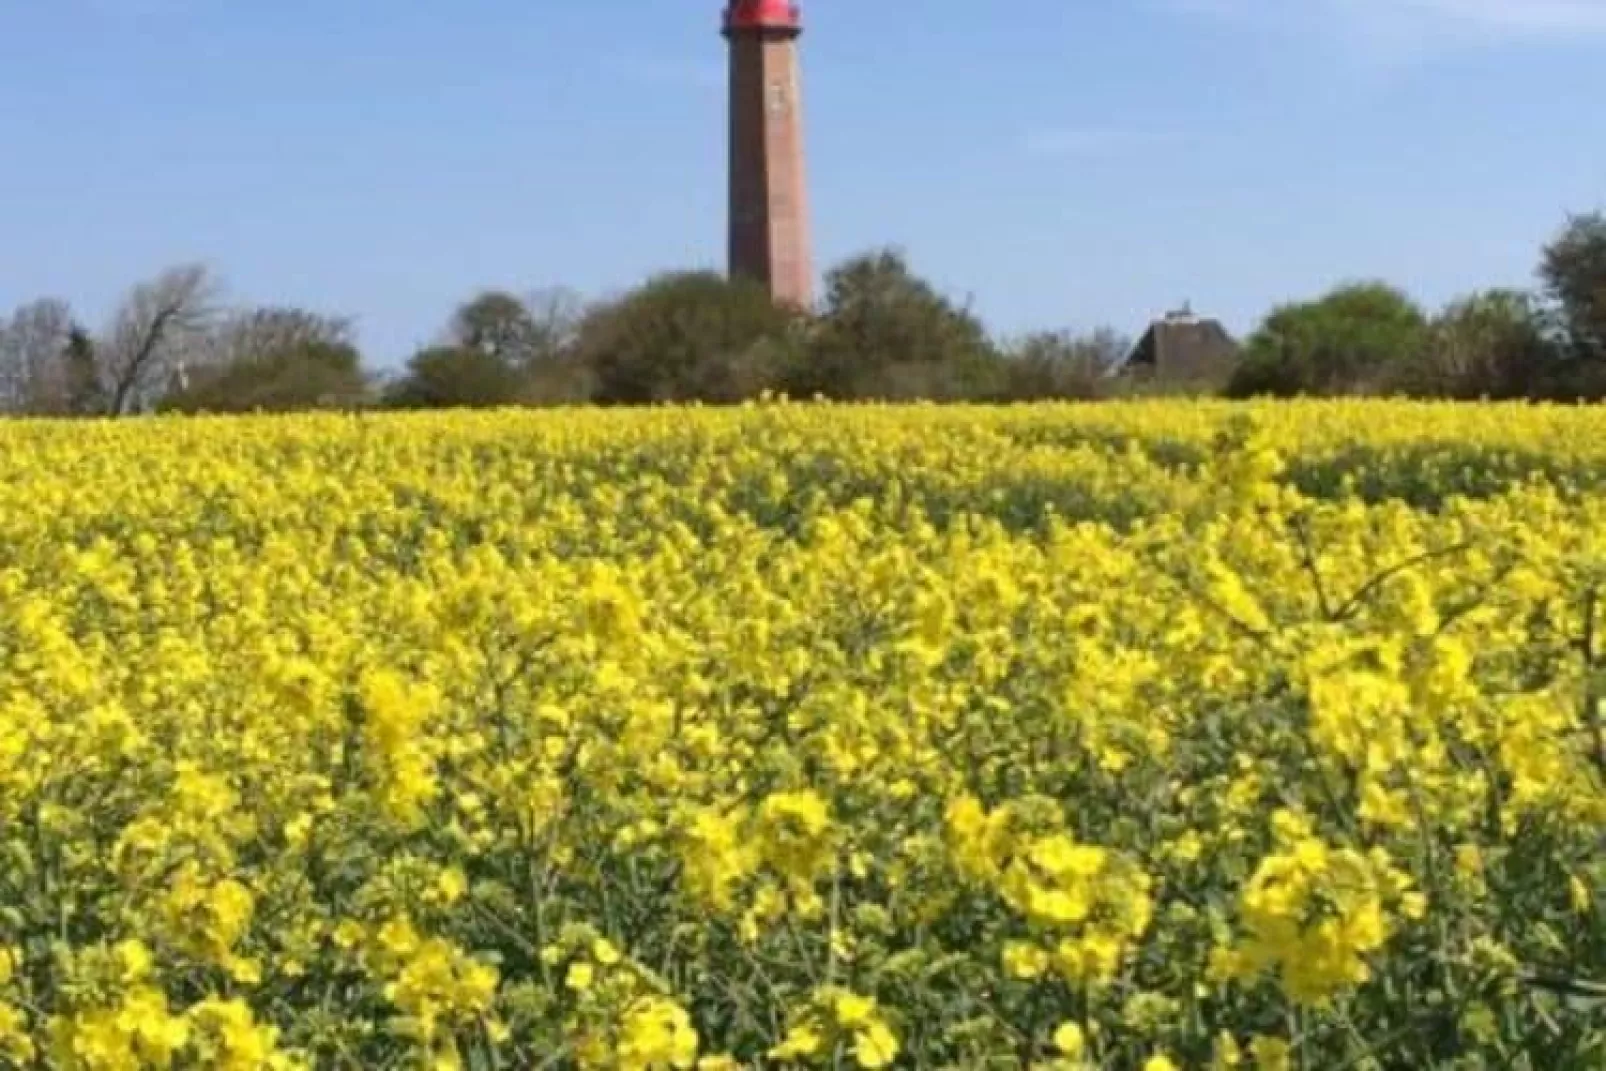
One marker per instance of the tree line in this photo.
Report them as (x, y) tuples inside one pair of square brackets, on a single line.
[(880, 332), (1547, 344)]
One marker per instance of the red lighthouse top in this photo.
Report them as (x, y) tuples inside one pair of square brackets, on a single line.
[(761, 15)]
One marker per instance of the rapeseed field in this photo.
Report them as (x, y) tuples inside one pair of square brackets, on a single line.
[(1145, 736)]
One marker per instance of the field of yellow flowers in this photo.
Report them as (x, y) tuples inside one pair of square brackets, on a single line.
[(1161, 735)]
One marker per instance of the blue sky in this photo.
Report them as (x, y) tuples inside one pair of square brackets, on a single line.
[(1056, 162)]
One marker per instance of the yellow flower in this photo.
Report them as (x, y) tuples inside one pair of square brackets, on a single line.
[(451, 884), (1271, 1054), (579, 977), (802, 1041), (231, 907), (1226, 1054), (157, 1034), (852, 1010), (230, 1039), (1413, 905), (347, 934), (1025, 961), (1070, 1041), (857, 687), (714, 856), (657, 1033), (14, 1040), (398, 939), (875, 1045), (794, 833)]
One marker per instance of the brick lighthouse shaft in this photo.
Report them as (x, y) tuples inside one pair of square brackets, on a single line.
[(769, 219)]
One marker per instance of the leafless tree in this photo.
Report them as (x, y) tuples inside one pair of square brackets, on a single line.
[(1491, 344), (522, 332), (1062, 365), (557, 313), (143, 349), (254, 334), (32, 344)]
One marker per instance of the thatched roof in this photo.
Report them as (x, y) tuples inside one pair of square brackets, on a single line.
[(1183, 346)]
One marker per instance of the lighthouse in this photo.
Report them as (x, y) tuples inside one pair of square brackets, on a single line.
[(769, 212)]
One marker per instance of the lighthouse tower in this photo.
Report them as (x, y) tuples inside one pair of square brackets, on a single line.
[(769, 219)]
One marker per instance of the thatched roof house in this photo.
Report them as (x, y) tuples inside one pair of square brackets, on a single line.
[(1183, 347)]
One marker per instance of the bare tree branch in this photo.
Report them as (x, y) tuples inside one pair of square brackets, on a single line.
[(158, 321), (521, 332), (556, 313), (256, 334), (32, 342)]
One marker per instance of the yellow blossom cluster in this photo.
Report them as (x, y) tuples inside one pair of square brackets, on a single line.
[(1150, 736)]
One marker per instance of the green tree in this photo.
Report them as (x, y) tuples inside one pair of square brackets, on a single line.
[(1049, 365), (1574, 274), (1353, 340), (452, 377), (494, 323), (80, 377), (309, 374), (498, 350), (686, 336), (534, 336), (1492, 344), (519, 331), (1573, 270), (887, 333)]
